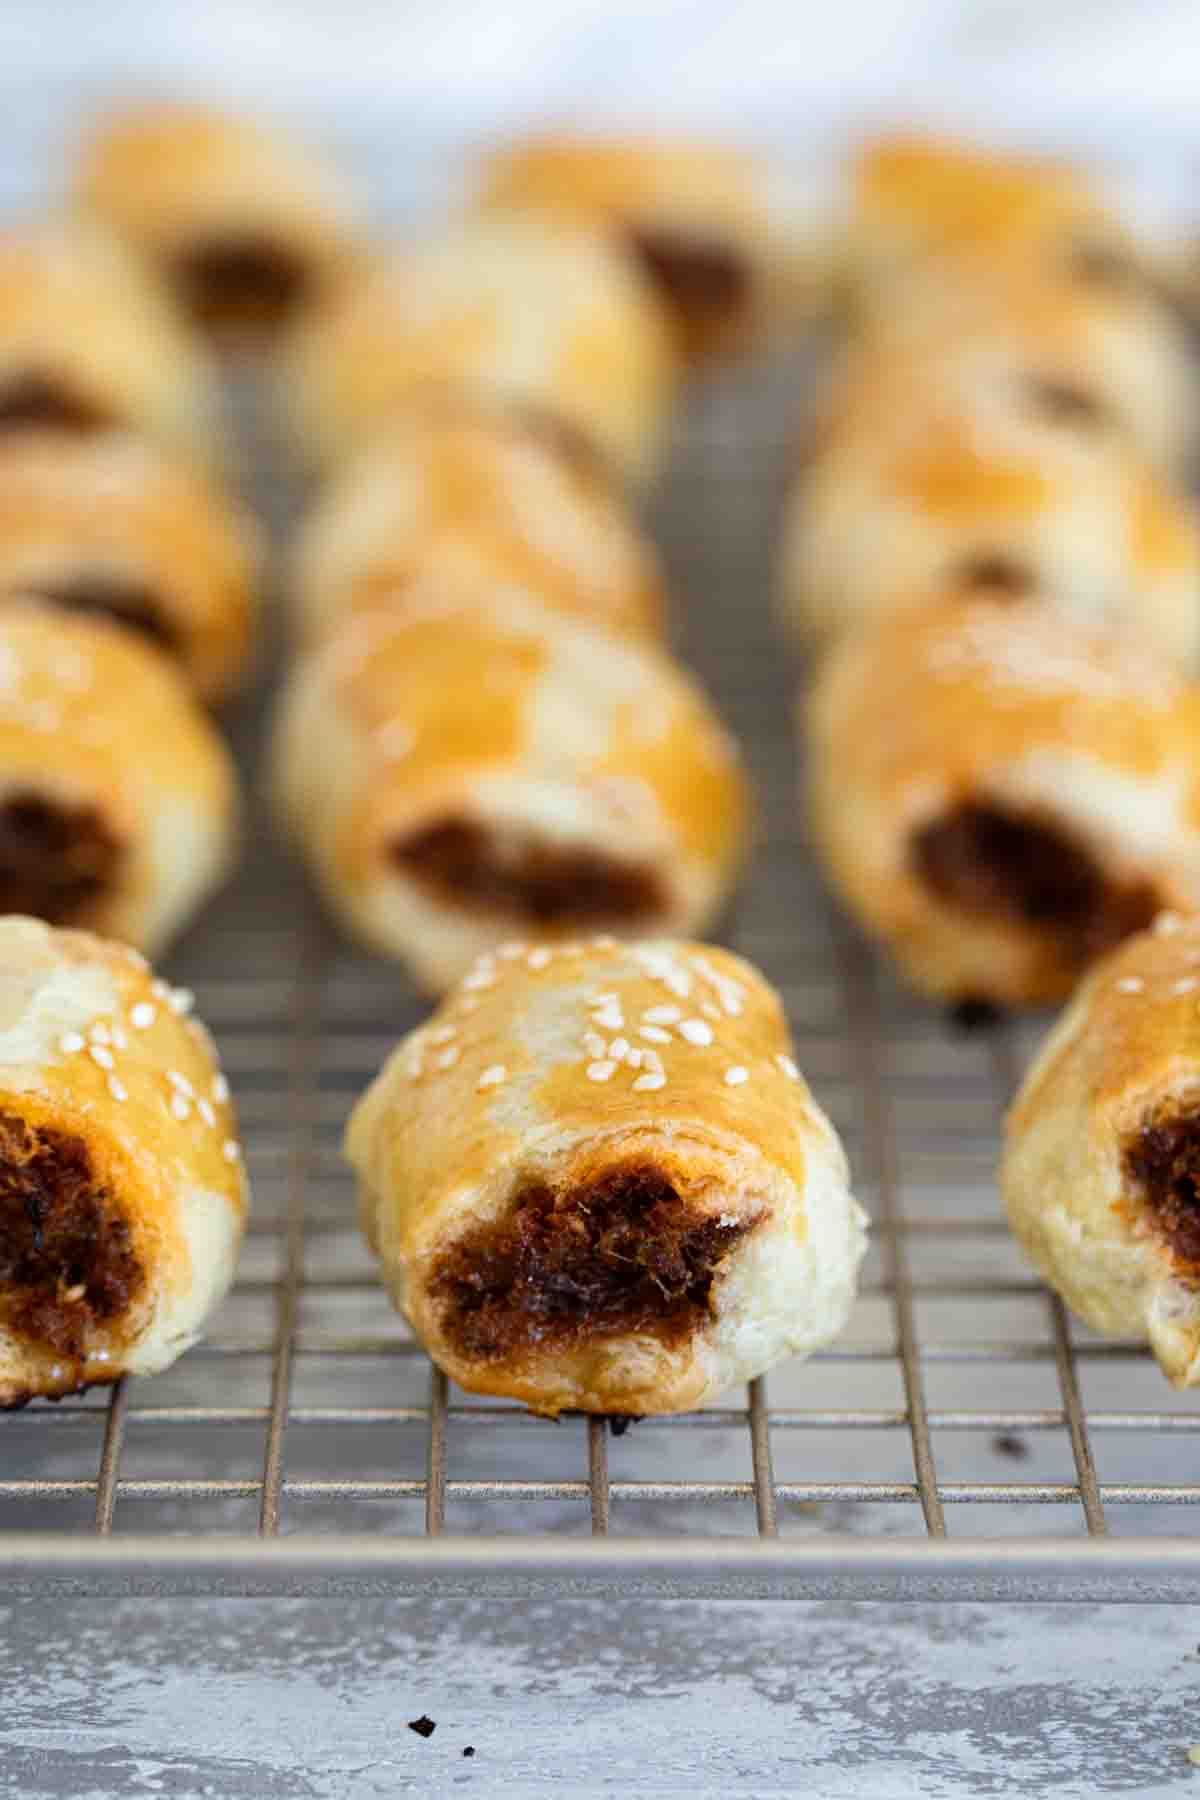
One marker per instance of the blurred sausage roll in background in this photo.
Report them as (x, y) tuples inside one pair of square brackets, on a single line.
[(465, 772), (248, 227), (122, 1192), (596, 1179), (118, 800), (1000, 797), (1101, 1169), (114, 525), (512, 310), (481, 496)]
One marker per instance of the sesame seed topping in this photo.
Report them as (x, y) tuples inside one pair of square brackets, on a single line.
[(1130, 984), (610, 1017), (650, 1081), (220, 1089), (1167, 924), (1187, 984), (230, 1150), (662, 1015), (600, 1071), (513, 951), (483, 976), (635, 1057), (117, 1088), (449, 1057), (788, 1067), (492, 1076), (180, 1081), (710, 1010), (181, 1107), (442, 1034), (537, 959), (71, 1042), (594, 1044), (99, 1033), (735, 1076), (654, 1034), (100, 1055), (142, 1016), (204, 1108), (652, 1060), (696, 1031), (120, 1041), (619, 1049), (181, 1000), (160, 988)]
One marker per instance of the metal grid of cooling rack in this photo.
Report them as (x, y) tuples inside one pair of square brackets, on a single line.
[(964, 1438)]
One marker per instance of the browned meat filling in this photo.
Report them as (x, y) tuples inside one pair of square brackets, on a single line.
[(1067, 403), (56, 860), (1014, 867), (127, 602), (235, 281), (705, 284), (66, 1256), (37, 400), (623, 1253), (1163, 1161), (995, 571), (518, 875)]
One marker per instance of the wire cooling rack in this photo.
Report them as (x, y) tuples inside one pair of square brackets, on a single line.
[(964, 1438)]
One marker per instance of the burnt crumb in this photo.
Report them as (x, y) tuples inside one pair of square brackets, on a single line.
[(1163, 1162), (468, 1749), (526, 879), (33, 399), (424, 1727), (973, 1014), (1067, 402), (1031, 872), (56, 860), (706, 284), (1007, 1443), (622, 1253), (995, 572), (125, 602), (66, 1252), (241, 280)]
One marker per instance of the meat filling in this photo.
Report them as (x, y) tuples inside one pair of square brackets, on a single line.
[(1016, 868), (621, 1254), (1163, 1162), (56, 860), (706, 285), (34, 400), (994, 571), (241, 280), (518, 875), (67, 1261), (126, 602)]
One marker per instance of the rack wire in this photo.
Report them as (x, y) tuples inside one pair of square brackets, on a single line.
[(964, 1438)]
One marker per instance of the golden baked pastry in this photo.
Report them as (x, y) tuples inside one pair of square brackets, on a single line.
[(247, 225), (114, 525), (89, 343), (733, 250), (464, 772), (122, 1192), (507, 310), (481, 498), (118, 800), (973, 468), (596, 1179), (1101, 1170), (1000, 796)]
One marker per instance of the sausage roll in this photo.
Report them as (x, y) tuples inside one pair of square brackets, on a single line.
[(466, 771), (479, 496), (117, 796), (1101, 1170), (113, 525), (731, 249), (122, 1192), (596, 1179), (89, 342), (1001, 796), (505, 309), (246, 225), (976, 472)]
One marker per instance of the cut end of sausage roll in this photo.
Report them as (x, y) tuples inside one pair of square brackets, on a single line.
[(1001, 797), (122, 1196), (462, 773), (118, 800), (1101, 1170), (631, 1200)]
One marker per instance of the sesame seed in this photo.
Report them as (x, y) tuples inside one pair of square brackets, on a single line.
[(1167, 924), (120, 1041), (71, 1042), (483, 976), (662, 1015), (600, 1071), (181, 1000), (513, 951), (100, 1055), (1130, 984), (654, 1034), (180, 1081), (735, 1076), (230, 1150), (650, 1081), (492, 1076), (220, 1089), (117, 1088), (448, 1058), (604, 943), (204, 1108), (788, 1067), (710, 1010), (594, 1044), (142, 1016), (619, 1049), (181, 1108), (99, 1033), (652, 1060), (634, 1059), (696, 1031), (610, 1017), (160, 988), (1186, 985), (537, 959)]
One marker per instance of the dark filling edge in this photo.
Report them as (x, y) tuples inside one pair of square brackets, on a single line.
[(1161, 1161), (241, 278), (707, 285), (129, 603), (33, 400), (57, 861)]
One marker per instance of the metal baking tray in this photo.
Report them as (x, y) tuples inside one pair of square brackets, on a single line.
[(964, 1439)]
